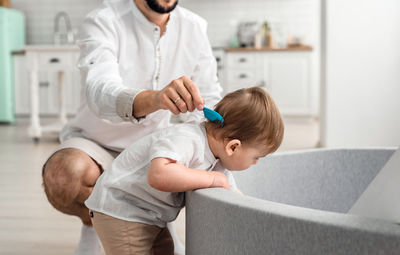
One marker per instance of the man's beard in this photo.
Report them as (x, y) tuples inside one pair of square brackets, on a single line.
[(153, 4)]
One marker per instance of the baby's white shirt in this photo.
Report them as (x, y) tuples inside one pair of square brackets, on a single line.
[(123, 191)]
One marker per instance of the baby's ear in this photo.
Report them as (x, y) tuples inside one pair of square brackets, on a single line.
[(232, 146)]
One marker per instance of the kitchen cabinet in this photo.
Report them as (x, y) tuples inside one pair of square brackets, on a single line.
[(47, 82), (286, 75), (48, 89), (12, 37)]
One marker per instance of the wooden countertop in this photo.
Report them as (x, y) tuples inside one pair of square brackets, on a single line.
[(241, 49), (44, 47), (252, 49)]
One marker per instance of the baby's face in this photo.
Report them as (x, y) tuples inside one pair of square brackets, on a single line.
[(243, 158)]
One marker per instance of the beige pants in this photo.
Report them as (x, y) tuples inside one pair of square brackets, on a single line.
[(122, 237)]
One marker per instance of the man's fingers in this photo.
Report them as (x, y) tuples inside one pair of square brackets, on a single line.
[(167, 104), (186, 96), (198, 101), (180, 104), (177, 99), (172, 107)]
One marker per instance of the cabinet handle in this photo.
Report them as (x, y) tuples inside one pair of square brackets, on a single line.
[(54, 60), (242, 60), (242, 76), (44, 84)]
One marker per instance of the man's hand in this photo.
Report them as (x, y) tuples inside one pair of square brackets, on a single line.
[(220, 180), (180, 96)]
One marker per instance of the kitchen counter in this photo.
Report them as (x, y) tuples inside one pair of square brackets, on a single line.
[(51, 47), (252, 49), (46, 47)]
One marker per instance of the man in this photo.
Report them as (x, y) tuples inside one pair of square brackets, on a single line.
[(141, 60)]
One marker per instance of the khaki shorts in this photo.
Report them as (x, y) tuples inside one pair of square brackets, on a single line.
[(101, 155), (122, 237)]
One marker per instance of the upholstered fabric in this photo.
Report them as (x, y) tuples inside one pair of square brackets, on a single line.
[(295, 203)]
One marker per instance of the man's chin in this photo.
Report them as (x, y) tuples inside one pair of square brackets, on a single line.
[(159, 8)]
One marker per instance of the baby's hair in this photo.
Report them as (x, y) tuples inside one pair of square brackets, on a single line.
[(251, 116)]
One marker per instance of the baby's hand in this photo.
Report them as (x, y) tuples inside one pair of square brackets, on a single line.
[(220, 180)]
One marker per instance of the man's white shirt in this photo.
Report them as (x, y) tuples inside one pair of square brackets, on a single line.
[(122, 54)]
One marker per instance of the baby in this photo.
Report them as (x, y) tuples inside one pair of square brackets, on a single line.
[(144, 187)]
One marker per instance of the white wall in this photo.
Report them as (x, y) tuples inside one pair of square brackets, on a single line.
[(40, 16), (362, 85), (299, 16)]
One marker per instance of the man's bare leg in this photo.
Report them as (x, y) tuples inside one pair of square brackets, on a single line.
[(69, 176)]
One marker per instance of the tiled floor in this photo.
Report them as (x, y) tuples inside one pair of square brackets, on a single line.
[(29, 225)]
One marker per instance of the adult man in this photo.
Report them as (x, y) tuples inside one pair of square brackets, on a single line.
[(136, 60)]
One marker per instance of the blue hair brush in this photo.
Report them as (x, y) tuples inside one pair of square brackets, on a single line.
[(213, 116)]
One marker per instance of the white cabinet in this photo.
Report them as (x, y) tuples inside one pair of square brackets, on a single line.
[(243, 70), (48, 88), (286, 75), (289, 77), (47, 82)]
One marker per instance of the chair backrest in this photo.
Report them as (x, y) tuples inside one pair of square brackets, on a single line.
[(324, 179)]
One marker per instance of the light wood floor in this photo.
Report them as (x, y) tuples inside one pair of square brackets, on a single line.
[(28, 223)]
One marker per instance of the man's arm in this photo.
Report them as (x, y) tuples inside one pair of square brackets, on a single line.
[(167, 175), (105, 92)]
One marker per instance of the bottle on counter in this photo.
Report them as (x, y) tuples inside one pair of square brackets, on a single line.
[(269, 39), (258, 39), (261, 38)]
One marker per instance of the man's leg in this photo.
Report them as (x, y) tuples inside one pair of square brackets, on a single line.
[(68, 179)]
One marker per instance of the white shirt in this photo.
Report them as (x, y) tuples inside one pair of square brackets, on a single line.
[(122, 53), (123, 192)]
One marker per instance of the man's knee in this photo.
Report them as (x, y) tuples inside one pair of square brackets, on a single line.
[(68, 178)]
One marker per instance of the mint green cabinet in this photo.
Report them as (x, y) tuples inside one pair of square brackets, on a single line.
[(12, 37)]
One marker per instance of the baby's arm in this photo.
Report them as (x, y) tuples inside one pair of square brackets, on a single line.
[(167, 175)]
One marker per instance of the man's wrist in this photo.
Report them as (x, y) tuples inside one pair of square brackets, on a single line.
[(145, 103)]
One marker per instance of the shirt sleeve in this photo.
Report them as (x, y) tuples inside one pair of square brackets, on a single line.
[(105, 92), (181, 148)]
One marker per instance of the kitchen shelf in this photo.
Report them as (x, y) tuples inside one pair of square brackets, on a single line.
[(252, 49)]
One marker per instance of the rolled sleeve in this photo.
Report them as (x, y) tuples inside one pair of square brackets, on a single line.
[(124, 105)]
